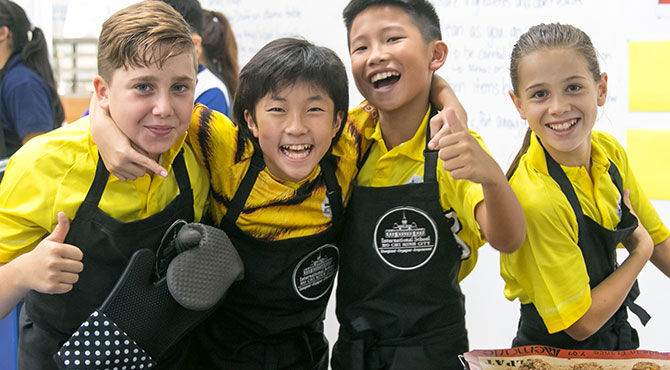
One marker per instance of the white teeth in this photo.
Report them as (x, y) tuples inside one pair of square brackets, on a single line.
[(296, 151), (296, 147), (383, 75), (563, 126)]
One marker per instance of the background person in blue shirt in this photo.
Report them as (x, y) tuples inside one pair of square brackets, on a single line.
[(29, 103), (210, 89)]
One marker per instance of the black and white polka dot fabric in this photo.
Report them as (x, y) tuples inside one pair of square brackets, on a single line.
[(100, 344)]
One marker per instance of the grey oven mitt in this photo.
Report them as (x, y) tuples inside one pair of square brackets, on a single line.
[(143, 316)]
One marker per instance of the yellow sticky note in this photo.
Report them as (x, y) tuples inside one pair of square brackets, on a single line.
[(649, 76), (649, 156)]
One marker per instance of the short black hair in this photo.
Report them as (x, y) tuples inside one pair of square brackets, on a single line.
[(191, 11), (282, 63), (421, 12)]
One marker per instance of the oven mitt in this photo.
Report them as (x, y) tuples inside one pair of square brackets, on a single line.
[(198, 277), (141, 319)]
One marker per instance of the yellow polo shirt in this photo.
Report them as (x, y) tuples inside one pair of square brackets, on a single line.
[(405, 163), (549, 270), (53, 173), (275, 209)]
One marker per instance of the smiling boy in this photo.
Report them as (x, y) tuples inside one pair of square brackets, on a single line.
[(147, 66), (292, 148), (409, 221)]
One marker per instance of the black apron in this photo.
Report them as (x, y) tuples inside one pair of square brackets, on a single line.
[(273, 318), (399, 303), (48, 320), (598, 246)]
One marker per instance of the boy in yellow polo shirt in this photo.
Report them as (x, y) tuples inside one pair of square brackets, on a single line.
[(410, 215), (147, 65)]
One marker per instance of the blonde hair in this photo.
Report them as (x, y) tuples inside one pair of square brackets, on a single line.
[(142, 34)]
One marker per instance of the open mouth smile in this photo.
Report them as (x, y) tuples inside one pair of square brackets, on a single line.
[(563, 126), (384, 79), (296, 151)]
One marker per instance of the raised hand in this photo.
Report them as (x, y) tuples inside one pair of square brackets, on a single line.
[(53, 266), (439, 127), (462, 155)]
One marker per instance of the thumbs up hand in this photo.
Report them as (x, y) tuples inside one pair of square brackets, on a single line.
[(53, 266), (464, 157)]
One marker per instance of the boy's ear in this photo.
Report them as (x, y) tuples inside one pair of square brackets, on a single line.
[(101, 91), (338, 122), (602, 89), (197, 41), (517, 104), (251, 123), (439, 51), (4, 33)]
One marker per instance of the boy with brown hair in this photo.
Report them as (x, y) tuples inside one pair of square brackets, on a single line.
[(408, 221), (64, 271)]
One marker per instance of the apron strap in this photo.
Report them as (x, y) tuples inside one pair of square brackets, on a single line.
[(557, 173), (244, 189), (333, 191), (640, 312), (99, 183), (181, 174), (102, 175), (430, 156), (615, 176), (360, 163)]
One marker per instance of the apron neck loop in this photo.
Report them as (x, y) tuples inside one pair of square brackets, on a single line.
[(430, 156), (244, 189), (99, 183)]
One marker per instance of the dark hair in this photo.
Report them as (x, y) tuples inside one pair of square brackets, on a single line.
[(220, 48), (34, 52), (545, 37), (282, 63), (422, 13), (191, 11)]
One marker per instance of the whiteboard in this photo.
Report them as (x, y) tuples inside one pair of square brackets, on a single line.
[(480, 35)]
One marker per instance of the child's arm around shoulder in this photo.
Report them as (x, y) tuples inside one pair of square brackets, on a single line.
[(499, 215), (52, 267), (443, 97), (120, 157)]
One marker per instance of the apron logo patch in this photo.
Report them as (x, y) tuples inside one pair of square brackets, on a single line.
[(315, 273), (405, 238), (325, 208)]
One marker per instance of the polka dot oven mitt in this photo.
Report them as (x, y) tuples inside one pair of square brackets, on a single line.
[(100, 344), (142, 318)]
